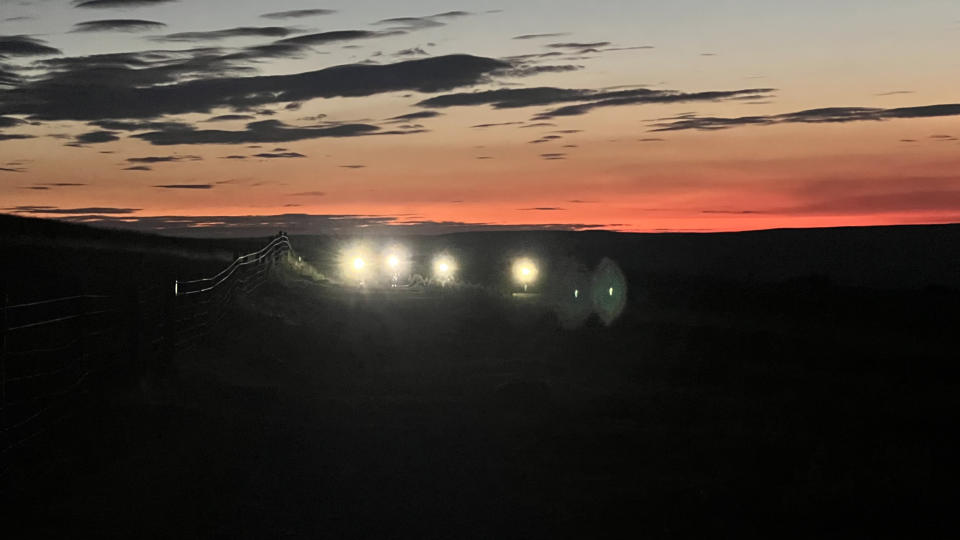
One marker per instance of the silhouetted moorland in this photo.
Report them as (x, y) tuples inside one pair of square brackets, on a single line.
[(795, 383)]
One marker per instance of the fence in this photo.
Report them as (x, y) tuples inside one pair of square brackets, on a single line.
[(50, 350)]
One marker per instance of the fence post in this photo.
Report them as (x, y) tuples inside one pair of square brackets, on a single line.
[(3, 361), (168, 326), (82, 332), (134, 321)]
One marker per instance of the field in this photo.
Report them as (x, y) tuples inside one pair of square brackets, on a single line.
[(777, 384)]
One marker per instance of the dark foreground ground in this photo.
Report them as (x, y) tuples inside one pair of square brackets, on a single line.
[(798, 408)]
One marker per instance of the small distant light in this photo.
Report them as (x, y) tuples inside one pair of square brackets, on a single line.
[(576, 293), (611, 291)]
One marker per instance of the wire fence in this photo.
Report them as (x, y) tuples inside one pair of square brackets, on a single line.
[(51, 350)]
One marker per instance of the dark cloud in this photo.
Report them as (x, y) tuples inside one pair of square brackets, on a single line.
[(414, 51), (541, 209), (163, 159), (97, 137), (117, 72), (14, 136), (117, 25), (497, 124), (279, 155), (57, 97), (234, 157), (247, 226), (322, 38), (139, 168), (118, 3), (185, 186), (895, 93), (593, 45), (538, 36), (641, 97), (24, 46), (553, 156), (240, 31), (264, 131), (526, 70), (229, 117), (309, 194), (121, 125), (525, 97), (11, 169), (353, 166), (8, 77), (832, 115), (420, 115), (409, 24), (53, 210), (298, 13)]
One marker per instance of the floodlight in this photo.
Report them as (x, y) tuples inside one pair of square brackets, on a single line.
[(355, 264), (444, 268), (525, 271), (396, 264)]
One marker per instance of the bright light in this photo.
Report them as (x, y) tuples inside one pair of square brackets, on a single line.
[(397, 264), (524, 271), (355, 264), (444, 268), (611, 291)]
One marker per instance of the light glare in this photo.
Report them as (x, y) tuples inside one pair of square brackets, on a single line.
[(525, 271), (444, 268)]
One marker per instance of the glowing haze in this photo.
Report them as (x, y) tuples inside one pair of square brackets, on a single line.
[(624, 114)]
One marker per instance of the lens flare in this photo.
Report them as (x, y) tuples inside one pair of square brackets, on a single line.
[(609, 291)]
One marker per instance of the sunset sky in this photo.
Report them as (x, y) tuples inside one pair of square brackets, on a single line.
[(690, 115)]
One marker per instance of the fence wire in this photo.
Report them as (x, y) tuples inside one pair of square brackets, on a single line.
[(51, 348)]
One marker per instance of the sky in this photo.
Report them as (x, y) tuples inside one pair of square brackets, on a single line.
[(433, 116)]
